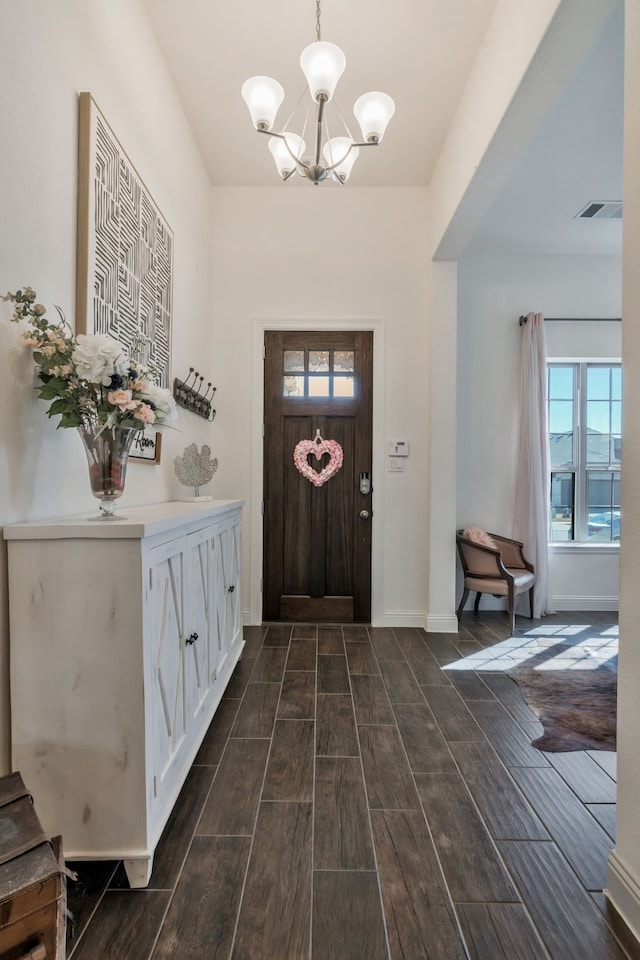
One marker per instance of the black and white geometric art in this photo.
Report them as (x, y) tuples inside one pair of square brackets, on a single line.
[(125, 249)]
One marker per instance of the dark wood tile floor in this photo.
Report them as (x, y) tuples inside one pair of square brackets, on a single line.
[(372, 794)]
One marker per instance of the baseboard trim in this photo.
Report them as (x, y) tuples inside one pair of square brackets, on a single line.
[(584, 603), (440, 624), (400, 618), (623, 892)]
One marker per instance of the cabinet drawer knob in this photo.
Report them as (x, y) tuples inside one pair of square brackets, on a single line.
[(232, 588), (192, 638)]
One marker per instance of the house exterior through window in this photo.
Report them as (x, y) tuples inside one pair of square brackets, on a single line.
[(585, 417)]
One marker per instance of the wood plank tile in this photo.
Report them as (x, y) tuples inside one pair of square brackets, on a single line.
[(290, 769), (336, 726), (509, 740), (332, 674), (466, 646), (410, 638), (181, 826), (605, 814), (354, 631), (400, 682), (275, 913), (504, 809), (387, 775), (469, 858), (426, 668), (426, 748), (441, 646), (342, 838), (278, 635), (298, 697), (257, 711), (83, 895), (451, 713), (618, 925), (330, 641), (253, 637), (126, 924), (269, 666), (583, 842), (508, 693), (361, 658), (584, 776), (500, 931), (347, 917), (233, 800), (215, 739), (418, 910), (384, 643), (304, 630), (370, 700), (570, 924), (302, 654), (470, 686), (202, 916), (607, 759), (486, 631), (239, 679)]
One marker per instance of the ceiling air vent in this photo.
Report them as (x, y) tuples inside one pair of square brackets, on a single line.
[(607, 210)]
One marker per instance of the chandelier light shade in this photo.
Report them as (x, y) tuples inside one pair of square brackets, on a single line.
[(322, 64)]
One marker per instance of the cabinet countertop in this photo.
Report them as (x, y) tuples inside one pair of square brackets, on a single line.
[(135, 523)]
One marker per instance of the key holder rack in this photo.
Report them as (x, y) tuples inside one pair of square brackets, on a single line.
[(189, 394)]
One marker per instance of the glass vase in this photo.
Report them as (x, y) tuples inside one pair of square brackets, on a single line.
[(107, 455)]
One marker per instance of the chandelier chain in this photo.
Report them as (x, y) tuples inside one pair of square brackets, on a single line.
[(318, 37)]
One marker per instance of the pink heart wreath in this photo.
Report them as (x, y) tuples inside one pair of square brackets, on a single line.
[(318, 448)]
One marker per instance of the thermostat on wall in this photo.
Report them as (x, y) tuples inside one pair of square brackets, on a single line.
[(398, 448)]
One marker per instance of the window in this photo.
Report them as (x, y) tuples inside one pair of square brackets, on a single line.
[(585, 423), (319, 373)]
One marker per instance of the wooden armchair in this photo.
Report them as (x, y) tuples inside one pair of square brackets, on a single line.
[(502, 571)]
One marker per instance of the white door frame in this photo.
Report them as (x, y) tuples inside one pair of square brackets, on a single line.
[(257, 458)]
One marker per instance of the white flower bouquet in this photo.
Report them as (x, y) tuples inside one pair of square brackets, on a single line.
[(88, 378)]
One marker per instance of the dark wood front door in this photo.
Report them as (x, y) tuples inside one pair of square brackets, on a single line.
[(317, 539)]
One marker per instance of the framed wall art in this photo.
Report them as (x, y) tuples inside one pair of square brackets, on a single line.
[(124, 271)]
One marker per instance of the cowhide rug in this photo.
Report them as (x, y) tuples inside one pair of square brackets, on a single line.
[(576, 707)]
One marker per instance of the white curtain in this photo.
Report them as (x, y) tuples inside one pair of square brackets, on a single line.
[(531, 510)]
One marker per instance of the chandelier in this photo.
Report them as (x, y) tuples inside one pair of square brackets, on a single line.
[(322, 64)]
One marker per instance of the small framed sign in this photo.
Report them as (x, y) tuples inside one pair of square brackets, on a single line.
[(146, 446)]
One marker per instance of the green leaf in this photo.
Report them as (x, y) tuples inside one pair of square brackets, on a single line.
[(58, 406)]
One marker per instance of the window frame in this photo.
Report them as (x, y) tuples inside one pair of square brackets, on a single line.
[(579, 468)]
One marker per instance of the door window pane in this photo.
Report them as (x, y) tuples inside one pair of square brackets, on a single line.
[(293, 360), (344, 387), (293, 387), (318, 360), (318, 386), (343, 361)]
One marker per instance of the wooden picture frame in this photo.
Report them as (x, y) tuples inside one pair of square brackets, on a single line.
[(146, 446), (124, 270)]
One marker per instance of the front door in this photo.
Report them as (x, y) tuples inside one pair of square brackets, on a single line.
[(317, 535)]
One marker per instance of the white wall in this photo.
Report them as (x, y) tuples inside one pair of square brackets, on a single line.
[(493, 291), (310, 256), (49, 52)]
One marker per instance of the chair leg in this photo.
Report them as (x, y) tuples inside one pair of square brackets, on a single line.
[(477, 601), (511, 606), (531, 602), (465, 594)]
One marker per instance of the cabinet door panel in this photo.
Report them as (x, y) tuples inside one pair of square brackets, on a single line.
[(168, 703), (197, 650)]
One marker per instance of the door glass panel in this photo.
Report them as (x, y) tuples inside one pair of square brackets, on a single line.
[(343, 361), (293, 360), (319, 360), (318, 386), (293, 387), (344, 387)]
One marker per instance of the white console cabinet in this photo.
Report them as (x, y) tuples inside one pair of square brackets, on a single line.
[(124, 635)]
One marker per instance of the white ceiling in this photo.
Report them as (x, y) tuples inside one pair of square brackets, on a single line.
[(420, 52)]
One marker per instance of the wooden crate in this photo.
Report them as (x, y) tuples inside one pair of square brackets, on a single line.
[(32, 886)]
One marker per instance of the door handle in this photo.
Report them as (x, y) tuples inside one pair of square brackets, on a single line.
[(364, 514)]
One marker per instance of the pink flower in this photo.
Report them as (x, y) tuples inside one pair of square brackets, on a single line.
[(145, 413), (121, 399)]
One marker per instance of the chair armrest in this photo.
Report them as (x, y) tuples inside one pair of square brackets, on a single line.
[(480, 561), (512, 552)]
